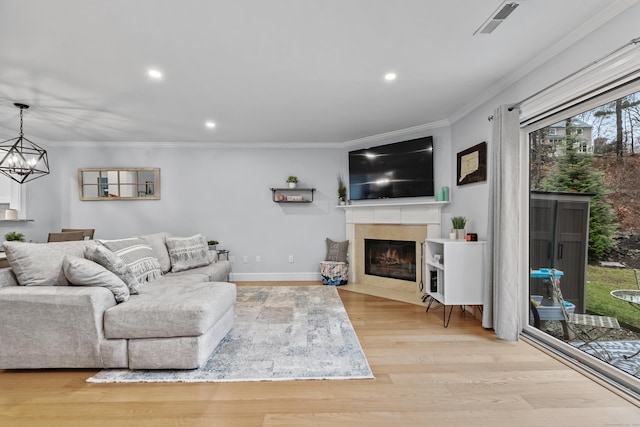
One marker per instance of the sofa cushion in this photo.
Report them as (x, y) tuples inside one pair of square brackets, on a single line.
[(215, 272), (181, 280), (337, 251), (112, 262), (165, 310), (138, 256), (84, 272), (188, 252), (7, 278), (157, 243), (40, 264)]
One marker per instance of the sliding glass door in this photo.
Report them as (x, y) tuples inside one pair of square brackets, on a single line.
[(584, 232)]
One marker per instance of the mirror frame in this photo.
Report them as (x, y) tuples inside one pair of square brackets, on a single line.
[(101, 171)]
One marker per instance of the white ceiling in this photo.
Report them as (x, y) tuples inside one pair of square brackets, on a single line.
[(266, 71)]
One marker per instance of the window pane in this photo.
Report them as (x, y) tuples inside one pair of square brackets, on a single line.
[(584, 231)]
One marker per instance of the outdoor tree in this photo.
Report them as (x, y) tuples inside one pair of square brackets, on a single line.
[(631, 107), (619, 149), (541, 156), (625, 109), (573, 173), (601, 132)]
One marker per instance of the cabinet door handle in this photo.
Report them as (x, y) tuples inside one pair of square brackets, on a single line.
[(560, 250), (549, 249)]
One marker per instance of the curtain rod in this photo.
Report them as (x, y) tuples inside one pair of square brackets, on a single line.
[(632, 42)]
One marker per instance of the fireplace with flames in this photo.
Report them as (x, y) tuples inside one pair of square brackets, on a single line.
[(395, 259)]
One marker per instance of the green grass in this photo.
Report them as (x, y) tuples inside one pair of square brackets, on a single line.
[(600, 282)]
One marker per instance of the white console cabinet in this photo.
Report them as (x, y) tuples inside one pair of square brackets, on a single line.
[(454, 273)]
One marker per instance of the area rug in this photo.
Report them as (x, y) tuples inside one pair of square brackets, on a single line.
[(280, 333), (614, 352)]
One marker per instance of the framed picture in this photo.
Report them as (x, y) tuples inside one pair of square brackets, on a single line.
[(472, 164)]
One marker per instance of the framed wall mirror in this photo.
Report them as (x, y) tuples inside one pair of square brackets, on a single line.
[(119, 183)]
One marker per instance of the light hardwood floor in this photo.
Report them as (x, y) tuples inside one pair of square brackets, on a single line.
[(425, 375)]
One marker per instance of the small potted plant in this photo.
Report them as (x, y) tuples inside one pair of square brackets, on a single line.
[(342, 190), (458, 223), (14, 236), (213, 244), (292, 180)]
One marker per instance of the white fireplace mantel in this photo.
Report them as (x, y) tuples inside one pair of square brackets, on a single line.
[(394, 203), (409, 213), (396, 213), (388, 213)]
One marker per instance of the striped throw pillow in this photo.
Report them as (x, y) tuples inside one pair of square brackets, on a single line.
[(138, 255)]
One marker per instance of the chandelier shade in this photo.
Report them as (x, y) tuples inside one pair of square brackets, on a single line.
[(23, 160)]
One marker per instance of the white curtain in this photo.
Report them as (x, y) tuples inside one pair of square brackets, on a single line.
[(503, 239)]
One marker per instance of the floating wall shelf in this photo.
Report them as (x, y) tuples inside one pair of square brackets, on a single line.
[(14, 221), (292, 195)]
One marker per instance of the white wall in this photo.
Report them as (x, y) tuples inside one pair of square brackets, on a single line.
[(220, 192), (472, 200)]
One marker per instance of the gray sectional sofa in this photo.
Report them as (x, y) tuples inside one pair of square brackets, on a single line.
[(166, 309)]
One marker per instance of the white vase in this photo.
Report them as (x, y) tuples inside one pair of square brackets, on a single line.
[(292, 185), (460, 234)]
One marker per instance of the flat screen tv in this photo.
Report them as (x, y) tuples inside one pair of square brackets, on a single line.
[(401, 169)]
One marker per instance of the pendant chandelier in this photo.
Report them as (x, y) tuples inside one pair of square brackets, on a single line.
[(20, 159)]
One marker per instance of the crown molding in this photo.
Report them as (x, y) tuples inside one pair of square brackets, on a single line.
[(196, 145), (373, 139), (396, 134)]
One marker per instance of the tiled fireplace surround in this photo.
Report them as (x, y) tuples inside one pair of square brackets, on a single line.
[(389, 221)]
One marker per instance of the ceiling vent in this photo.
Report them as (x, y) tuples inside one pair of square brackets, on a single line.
[(496, 18)]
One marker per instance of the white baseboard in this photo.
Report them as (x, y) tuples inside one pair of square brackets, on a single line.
[(274, 277)]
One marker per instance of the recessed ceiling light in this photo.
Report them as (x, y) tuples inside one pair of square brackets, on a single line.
[(155, 74), (390, 76), (210, 124)]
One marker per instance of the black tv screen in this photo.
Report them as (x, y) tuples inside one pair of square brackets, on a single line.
[(401, 169)]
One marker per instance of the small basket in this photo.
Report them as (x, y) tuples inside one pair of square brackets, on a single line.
[(334, 273)]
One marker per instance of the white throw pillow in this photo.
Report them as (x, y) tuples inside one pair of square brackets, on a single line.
[(40, 264), (188, 252), (83, 272)]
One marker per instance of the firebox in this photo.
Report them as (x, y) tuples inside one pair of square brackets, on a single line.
[(395, 259)]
